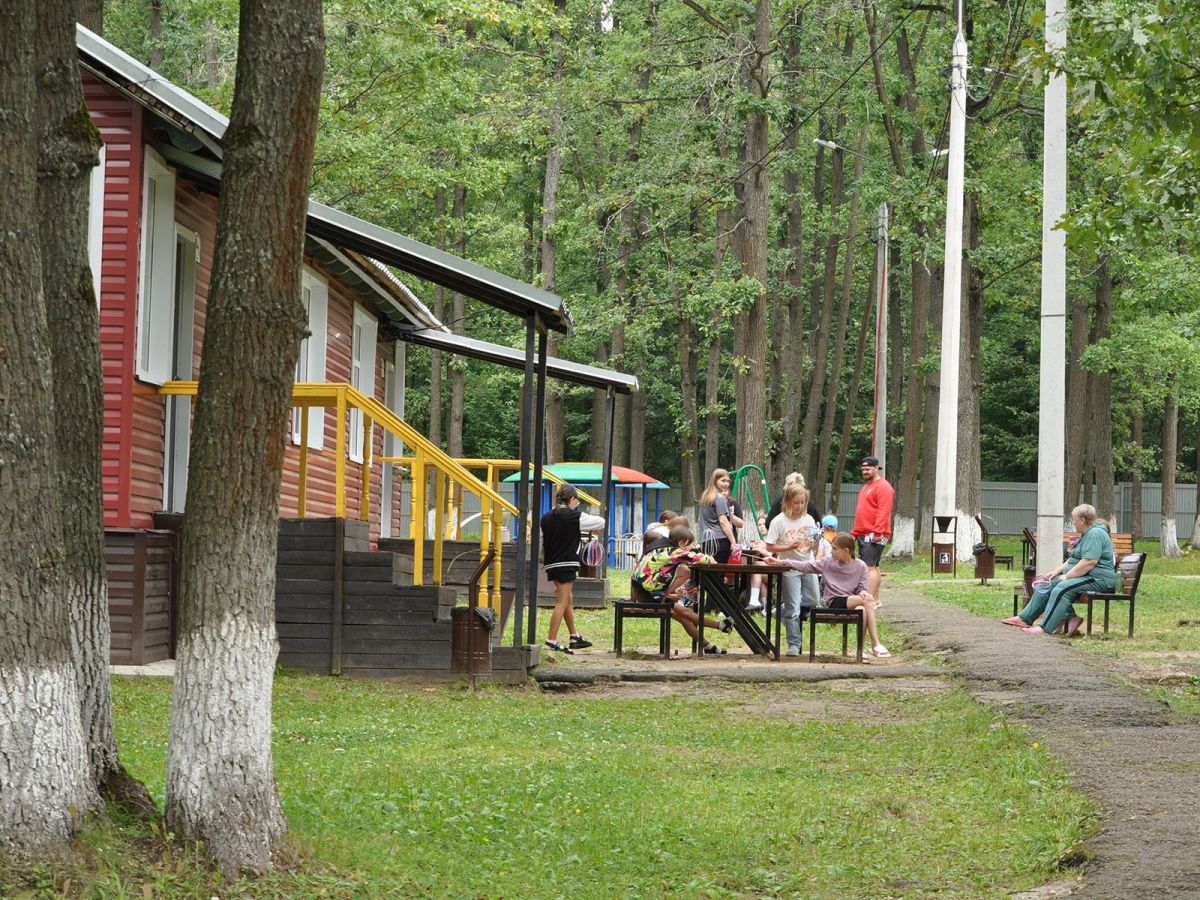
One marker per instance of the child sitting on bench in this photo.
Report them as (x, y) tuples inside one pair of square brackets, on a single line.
[(845, 583), (664, 574)]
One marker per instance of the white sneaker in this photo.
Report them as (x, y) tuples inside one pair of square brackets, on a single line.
[(754, 606), (880, 651), (792, 651)]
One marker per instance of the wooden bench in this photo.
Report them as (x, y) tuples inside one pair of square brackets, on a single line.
[(1130, 569), (1123, 546), (641, 605), (826, 615)]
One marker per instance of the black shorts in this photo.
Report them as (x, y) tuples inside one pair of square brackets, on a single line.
[(563, 574), (838, 602), (722, 551), (870, 552)]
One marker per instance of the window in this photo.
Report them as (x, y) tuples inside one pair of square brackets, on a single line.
[(156, 289), (96, 222), (310, 366), (362, 373)]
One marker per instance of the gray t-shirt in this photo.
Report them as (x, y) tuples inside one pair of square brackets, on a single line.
[(710, 525)]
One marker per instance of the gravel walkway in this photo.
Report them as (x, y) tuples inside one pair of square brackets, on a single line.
[(1127, 751)]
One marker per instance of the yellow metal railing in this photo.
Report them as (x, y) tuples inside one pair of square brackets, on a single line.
[(449, 476), (495, 468)]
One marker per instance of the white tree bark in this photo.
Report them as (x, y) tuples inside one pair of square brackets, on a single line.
[(904, 535), (220, 776), (45, 786)]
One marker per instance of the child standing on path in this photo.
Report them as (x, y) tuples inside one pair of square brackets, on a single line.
[(561, 530), (791, 536)]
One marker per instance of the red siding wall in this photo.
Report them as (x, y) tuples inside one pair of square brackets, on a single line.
[(120, 123), (321, 475), (134, 412)]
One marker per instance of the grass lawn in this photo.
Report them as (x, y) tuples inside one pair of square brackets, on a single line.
[(1167, 597), (412, 790)]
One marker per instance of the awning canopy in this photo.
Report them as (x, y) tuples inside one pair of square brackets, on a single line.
[(590, 473), (562, 369)]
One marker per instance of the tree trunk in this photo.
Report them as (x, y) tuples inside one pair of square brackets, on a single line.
[(1078, 434), (791, 350), (45, 783), (929, 430), (220, 784), (817, 478), (597, 442), (750, 245), (1195, 538), (68, 153), (968, 502), (457, 365), (1169, 542), (212, 62), (896, 347), (904, 523), (815, 393), (156, 35), (91, 15), (860, 356), (1100, 384), (555, 440), (439, 312), (712, 372), (1135, 505)]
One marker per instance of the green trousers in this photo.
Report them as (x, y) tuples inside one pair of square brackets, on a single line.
[(1054, 606)]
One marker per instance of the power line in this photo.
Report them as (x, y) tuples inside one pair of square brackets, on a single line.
[(712, 196)]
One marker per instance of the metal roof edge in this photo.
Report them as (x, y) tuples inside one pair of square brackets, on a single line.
[(556, 367), (149, 82)]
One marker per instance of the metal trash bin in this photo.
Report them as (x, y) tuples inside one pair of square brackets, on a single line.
[(471, 639), (985, 561), (943, 558)]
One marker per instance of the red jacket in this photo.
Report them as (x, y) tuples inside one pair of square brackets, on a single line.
[(874, 512)]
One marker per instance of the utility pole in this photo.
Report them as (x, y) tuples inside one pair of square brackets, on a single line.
[(944, 501), (879, 438), (1051, 388)]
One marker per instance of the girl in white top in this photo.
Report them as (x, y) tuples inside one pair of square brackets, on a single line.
[(792, 535)]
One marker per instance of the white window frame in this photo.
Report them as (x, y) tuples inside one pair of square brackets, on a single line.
[(156, 286), (96, 221), (310, 365), (362, 373), (393, 396)]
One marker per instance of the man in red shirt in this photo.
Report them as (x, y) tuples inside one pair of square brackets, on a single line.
[(873, 520)]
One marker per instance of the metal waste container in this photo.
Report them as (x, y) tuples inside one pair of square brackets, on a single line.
[(985, 561), (471, 639)]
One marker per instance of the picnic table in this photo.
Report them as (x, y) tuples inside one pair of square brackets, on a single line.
[(717, 593)]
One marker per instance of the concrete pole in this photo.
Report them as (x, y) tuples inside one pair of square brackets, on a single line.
[(879, 443), (944, 499), (1052, 391)]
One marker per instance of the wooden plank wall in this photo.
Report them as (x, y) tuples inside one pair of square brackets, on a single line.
[(352, 617), (140, 607)]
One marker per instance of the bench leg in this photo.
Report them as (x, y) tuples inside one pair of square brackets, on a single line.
[(1106, 602), (812, 638), (1131, 616), (846, 638), (617, 632), (860, 637), (664, 636), (1089, 617)]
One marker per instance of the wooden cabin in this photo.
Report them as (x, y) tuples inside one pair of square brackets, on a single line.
[(152, 228)]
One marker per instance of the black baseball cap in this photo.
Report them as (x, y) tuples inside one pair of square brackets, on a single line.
[(871, 461)]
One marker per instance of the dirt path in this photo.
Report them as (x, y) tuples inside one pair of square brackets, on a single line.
[(1139, 762)]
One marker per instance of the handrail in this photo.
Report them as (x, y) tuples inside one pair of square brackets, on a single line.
[(343, 397), (501, 465)]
